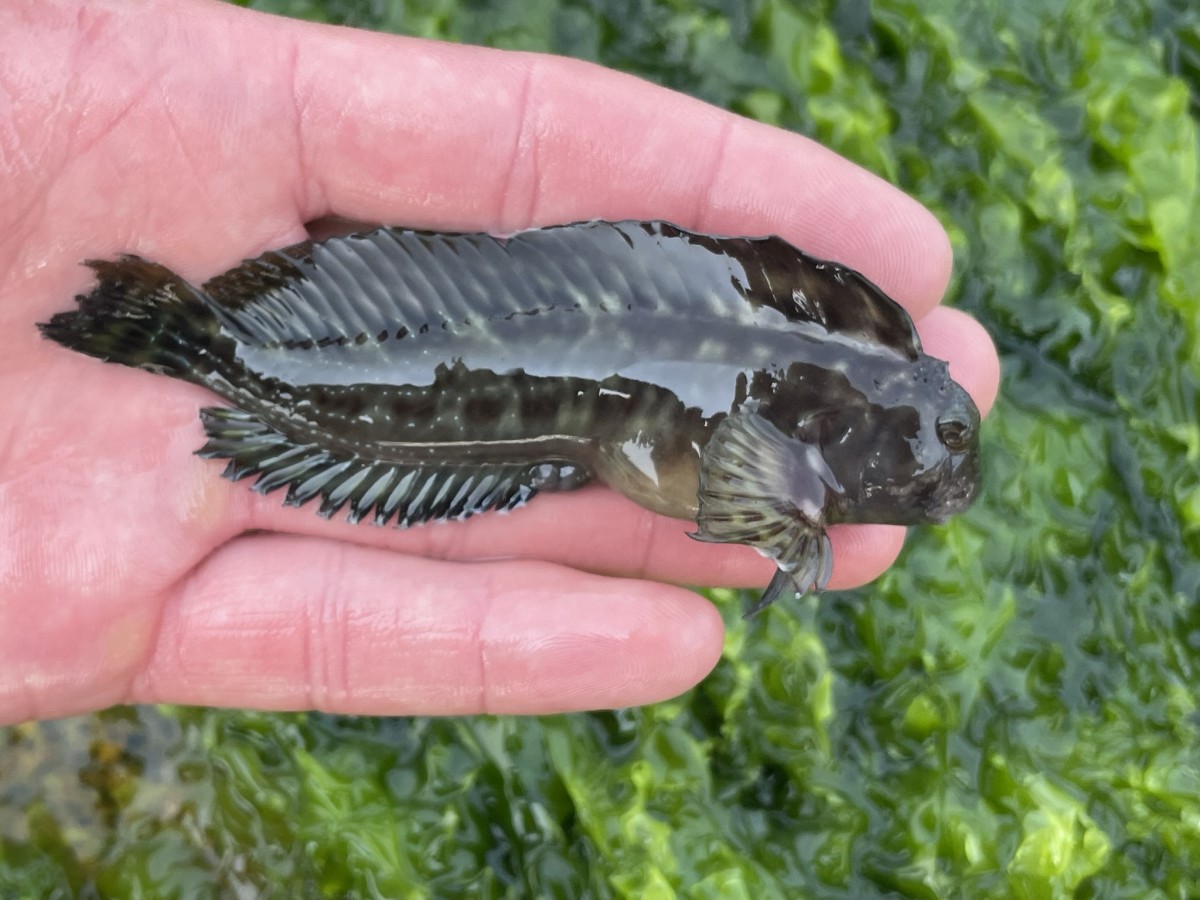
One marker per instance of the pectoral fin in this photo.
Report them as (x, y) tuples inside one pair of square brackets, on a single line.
[(762, 488), (804, 568)]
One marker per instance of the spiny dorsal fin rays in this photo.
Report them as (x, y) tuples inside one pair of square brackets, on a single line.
[(822, 292), (411, 495), (392, 282)]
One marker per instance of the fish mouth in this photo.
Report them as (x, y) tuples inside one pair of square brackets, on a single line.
[(957, 490)]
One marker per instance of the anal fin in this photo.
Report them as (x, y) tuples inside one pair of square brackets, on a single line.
[(368, 488)]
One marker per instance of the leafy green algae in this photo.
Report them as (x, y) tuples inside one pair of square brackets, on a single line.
[(1010, 712)]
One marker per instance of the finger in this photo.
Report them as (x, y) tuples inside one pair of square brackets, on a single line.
[(952, 335), (594, 530), (292, 623), (474, 137), (318, 119), (382, 128)]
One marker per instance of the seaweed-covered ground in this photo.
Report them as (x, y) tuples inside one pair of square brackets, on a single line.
[(1012, 711)]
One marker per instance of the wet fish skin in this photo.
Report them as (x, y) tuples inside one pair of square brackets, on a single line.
[(413, 376)]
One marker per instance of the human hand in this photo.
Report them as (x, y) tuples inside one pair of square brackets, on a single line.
[(196, 134)]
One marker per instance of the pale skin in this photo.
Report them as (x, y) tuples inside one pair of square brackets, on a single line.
[(196, 134)]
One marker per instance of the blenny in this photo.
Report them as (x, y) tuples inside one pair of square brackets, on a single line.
[(415, 376)]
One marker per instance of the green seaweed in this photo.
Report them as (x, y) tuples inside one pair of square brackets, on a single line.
[(1012, 711)]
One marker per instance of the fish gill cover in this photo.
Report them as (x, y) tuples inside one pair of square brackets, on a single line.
[(1010, 712)]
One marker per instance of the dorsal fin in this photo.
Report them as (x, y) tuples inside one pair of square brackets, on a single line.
[(392, 282), (804, 288), (847, 303)]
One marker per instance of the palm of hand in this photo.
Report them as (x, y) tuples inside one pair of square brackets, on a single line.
[(130, 572)]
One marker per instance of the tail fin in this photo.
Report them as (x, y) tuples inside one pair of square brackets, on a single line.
[(139, 314)]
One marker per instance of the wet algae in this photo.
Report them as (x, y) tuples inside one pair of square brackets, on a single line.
[(1010, 712)]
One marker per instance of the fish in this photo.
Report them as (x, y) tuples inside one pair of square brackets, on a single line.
[(412, 376)]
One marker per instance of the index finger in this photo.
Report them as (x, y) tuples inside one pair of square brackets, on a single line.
[(459, 138)]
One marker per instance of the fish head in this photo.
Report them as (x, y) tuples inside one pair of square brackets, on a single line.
[(907, 453)]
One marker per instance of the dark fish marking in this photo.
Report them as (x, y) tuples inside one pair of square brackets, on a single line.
[(415, 376)]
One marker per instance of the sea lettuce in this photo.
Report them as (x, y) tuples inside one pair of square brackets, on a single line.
[(1011, 711)]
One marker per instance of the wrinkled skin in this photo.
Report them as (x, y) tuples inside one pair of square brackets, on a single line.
[(197, 134)]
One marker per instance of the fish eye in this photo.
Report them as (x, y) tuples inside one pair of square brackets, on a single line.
[(954, 433)]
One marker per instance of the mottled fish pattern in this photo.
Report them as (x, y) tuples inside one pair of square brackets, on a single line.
[(410, 376)]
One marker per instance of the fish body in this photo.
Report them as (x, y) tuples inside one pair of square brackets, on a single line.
[(411, 376)]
